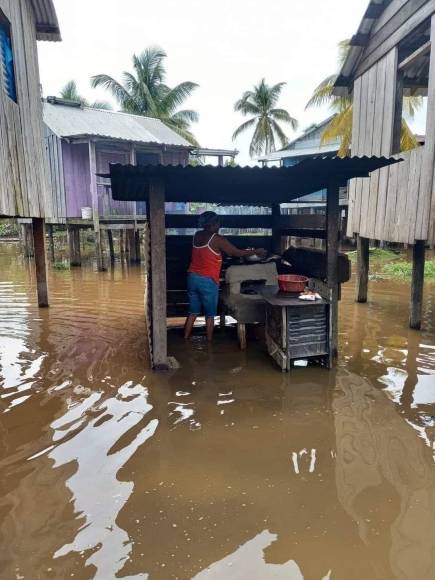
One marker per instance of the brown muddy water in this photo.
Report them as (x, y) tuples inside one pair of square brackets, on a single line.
[(224, 469)]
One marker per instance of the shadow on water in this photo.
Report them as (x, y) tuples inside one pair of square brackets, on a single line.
[(225, 468)]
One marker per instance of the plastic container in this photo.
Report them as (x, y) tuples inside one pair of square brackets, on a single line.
[(292, 283), (86, 213)]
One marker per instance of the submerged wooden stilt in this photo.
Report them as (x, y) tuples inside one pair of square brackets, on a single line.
[(27, 240), (156, 209), (241, 334), (332, 220), (40, 260), (362, 275), (137, 246), (111, 247), (50, 229), (75, 258), (95, 207), (417, 284), (131, 243)]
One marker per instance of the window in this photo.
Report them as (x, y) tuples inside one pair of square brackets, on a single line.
[(7, 58)]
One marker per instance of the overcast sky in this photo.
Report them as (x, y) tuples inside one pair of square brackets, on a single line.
[(224, 46)]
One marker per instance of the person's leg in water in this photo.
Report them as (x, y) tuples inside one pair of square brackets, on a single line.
[(188, 325), (209, 299), (194, 304)]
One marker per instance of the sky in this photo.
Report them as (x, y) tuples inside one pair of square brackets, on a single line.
[(226, 47)]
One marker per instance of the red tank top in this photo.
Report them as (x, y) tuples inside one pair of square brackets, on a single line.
[(205, 261)]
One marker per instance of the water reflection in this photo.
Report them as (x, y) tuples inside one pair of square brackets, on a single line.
[(223, 469)]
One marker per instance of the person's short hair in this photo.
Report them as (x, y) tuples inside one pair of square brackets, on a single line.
[(208, 218)]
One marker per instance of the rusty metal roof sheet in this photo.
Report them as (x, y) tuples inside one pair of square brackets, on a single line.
[(240, 185), (77, 122), (47, 25)]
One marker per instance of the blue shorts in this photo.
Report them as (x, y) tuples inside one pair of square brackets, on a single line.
[(203, 293)]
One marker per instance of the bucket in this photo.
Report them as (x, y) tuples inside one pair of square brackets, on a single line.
[(292, 283), (86, 213)]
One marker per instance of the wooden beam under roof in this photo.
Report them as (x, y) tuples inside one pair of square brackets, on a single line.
[(423, 50)]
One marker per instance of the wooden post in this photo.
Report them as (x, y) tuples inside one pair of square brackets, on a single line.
[(122, 244), (332, 221), (398, 108), (40, 260), (111, 248), (75, 258), (417, 283), (156, 209), (276, 232), (95, 210), (132, 258), (51, 242), (137, 246), (362, 271), (27, 240), (221, 160)]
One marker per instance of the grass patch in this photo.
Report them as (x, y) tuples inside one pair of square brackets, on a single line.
[(404, 269), (376, 254), (60, 266)]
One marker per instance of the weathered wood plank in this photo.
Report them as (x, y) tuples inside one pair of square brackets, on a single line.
[(158, 274), (95, 212), (355, 139), (417, 284), (332, 216), (40, 261), (362, 273)]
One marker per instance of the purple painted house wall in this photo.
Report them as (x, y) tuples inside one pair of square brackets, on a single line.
[(76, 178), (76, 175)]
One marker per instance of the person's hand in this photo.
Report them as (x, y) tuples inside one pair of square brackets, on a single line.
[(261, 252)]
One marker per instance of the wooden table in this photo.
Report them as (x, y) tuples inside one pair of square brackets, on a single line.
[(295, 329)]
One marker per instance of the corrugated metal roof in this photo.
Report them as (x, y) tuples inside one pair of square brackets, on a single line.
[(75, 122), (240, 185), (47, 25), (286, 153)]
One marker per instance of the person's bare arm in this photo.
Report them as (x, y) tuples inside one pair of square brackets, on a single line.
[(222, 244)]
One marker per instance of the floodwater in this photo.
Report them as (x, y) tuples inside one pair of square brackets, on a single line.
[(224, 469)]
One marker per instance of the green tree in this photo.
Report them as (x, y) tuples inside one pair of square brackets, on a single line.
[(261, 105), (144, 92), (71, 93), (340, 126)]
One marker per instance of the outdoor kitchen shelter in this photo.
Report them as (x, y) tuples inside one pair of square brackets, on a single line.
[(229, 186)]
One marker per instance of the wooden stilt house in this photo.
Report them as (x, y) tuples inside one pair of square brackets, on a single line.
[(392, 55), (23, 184)]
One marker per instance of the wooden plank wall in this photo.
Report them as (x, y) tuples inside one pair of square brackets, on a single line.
[(23, 180), (55, 176), (390, 205)]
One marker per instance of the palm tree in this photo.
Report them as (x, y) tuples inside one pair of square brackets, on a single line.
[(144, 92), (71, 93), (340, 126), (266, 118)]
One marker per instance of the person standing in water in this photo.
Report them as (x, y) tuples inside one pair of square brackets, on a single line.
[(205, 269)]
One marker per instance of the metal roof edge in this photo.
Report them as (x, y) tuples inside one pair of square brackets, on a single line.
[(46, 22)]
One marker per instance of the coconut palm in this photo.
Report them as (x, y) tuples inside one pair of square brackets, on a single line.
[(340, 126), (144, 92), (71, 93), (260, 103)]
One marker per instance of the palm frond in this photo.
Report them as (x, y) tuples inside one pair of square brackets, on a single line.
[(101, 105), (407, 138), (177, 95), (411, 105), (244, 127), (186, 115), (280, 134), (70, 92), (285, 117), (322, 93), (110, 84)]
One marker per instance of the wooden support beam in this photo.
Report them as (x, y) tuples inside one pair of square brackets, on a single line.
[(362, 272), (50, 228), (156, 207), (122, 235), (111, 247), (332, 218), (276, 230), (27, 240), (398, 109), (417, 283), (95, 210), (40, 260), (137, 246), (131, 240), (424, 49), (75, 257)]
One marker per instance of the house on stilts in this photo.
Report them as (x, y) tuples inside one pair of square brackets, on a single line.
[(391, 56), (24, 191)]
